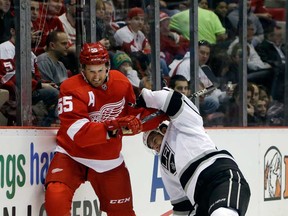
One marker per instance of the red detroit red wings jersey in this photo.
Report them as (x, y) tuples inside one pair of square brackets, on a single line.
[(45, 25), (8, 77), (82, 109)]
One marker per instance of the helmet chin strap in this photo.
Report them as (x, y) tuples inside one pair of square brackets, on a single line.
[(107, 75), (84, 77)]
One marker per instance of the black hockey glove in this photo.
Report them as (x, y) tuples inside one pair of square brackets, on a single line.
[(140, 102)]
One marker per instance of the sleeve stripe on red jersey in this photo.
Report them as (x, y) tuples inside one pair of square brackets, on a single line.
[(75, 127)]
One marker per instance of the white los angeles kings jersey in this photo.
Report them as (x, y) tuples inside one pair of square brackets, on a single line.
[(186, 147)]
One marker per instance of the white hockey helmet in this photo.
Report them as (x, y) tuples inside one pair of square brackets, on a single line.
[(163, 126), (160, 130), (145, 137)]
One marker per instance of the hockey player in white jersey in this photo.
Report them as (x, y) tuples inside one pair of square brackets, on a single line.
[(199, 179)]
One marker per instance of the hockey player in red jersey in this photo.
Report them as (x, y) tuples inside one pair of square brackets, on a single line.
[(93, 108)]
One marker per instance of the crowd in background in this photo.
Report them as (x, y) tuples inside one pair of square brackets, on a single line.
[(123, 28)]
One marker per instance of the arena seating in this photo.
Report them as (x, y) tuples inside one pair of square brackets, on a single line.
[(4, 96)]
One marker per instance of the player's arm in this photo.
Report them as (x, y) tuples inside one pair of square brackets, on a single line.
[(141, 112), (76, 124), (167, 100)]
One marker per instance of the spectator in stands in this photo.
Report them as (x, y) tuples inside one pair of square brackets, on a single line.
[(209, 25), (132, 41), (142, 63), (35, 7), (41, 89), (180, 83), (102, 32), (235, 56), (272, 51), (233, 108), (122, 62), (275, 109), (261, 113), (68, 20), (130, 38), (47, 22), (260, 106), (211, 102), (6, 15), (232, 4), (258, 31), (172, 45), (264, 94), (220, 8), (183, 66), (146, 28), (4, 97), (35, 34), (258, 70), (8, 83), (109, 15), (7, 48), (48, 63), (163, 64), (203, 4), (220, 63), (110, 26)]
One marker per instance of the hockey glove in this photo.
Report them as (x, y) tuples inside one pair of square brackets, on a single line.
[(129, 125)]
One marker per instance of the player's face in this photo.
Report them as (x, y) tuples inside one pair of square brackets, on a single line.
[(95, 74), (154, 141)]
